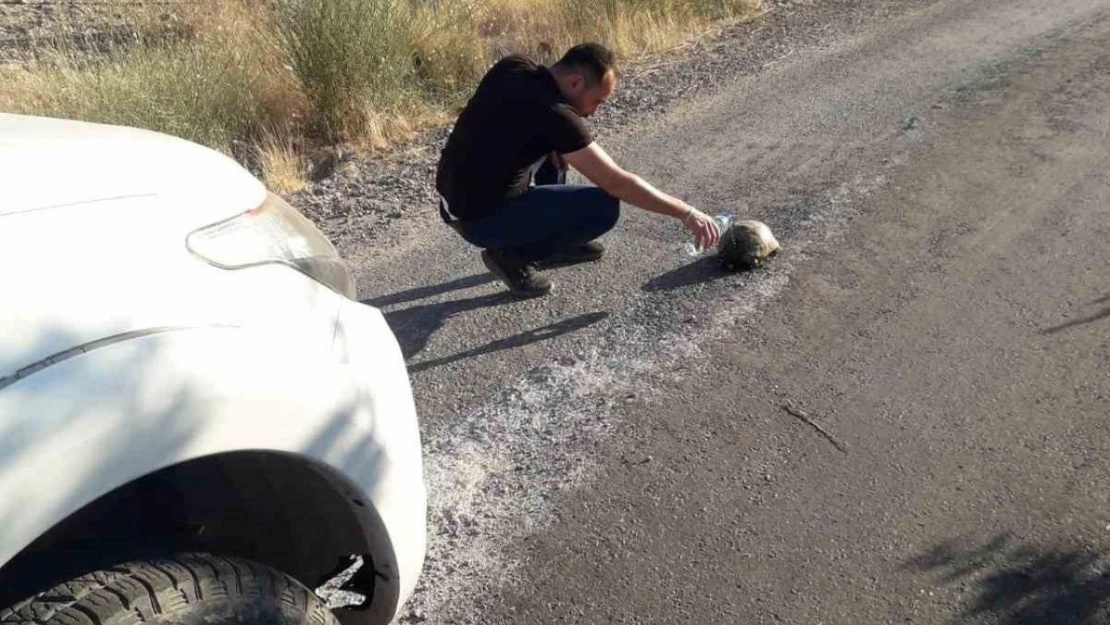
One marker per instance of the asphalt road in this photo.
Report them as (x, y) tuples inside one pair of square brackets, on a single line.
[(630, 450)]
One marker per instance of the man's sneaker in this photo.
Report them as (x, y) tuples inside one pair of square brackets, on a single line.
[(517, 274), (587, 253)]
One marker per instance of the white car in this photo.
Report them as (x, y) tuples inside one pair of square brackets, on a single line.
[(197, 422)]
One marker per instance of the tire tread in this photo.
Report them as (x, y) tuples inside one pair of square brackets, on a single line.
[(146, 589)]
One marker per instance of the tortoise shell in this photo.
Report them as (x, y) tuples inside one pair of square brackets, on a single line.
[(746, 244)]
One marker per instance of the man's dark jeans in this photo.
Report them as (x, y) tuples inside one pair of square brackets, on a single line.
[(547, 218)]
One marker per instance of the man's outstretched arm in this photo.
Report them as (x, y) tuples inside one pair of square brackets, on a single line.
[(596, 165)]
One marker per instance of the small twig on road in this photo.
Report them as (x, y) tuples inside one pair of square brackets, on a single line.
[(817, 426)]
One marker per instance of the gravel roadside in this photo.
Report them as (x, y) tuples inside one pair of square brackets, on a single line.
[(24, 20), (24, 24)]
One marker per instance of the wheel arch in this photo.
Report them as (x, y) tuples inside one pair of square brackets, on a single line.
[(288, 512)]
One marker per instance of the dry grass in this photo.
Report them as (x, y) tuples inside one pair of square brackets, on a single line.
[(353, 59), (269, 80), (282, 165), (631, 28), (451, 53)]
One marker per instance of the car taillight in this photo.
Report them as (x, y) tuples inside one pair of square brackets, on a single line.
[(275, 232)]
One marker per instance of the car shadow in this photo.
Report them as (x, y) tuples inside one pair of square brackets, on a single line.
[(1022, 584), (527, 337)]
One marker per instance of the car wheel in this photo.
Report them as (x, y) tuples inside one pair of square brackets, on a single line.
[(188, 589)]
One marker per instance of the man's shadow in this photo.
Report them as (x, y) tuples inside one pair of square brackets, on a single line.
[(527, 337), (415, 325), (1102, 314), (424, 292)]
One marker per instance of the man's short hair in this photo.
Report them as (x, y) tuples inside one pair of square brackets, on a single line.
[(593, 60)]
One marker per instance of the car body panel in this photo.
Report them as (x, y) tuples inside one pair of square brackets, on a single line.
[(125, 353), (84, 272), (102, 162)]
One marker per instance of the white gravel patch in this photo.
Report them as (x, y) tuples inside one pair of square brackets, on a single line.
[(492, 473)]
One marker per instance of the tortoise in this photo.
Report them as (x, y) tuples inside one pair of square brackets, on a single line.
[(746, 244)]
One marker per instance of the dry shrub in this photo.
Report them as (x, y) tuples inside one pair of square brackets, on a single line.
[(353, 59), (449, 53)]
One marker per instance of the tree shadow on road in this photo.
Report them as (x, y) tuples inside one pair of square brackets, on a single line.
[(527, 337), (1102, 314), (1015, 584), (698, 272)]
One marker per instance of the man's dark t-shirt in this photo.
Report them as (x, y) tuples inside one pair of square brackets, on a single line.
[(516, 118)]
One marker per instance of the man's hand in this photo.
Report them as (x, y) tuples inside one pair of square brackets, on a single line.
[(706, 230)]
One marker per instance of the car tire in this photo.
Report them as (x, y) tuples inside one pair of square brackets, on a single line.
[(187, 589)]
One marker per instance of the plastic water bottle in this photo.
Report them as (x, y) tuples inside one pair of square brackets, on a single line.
[(724, 220)]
